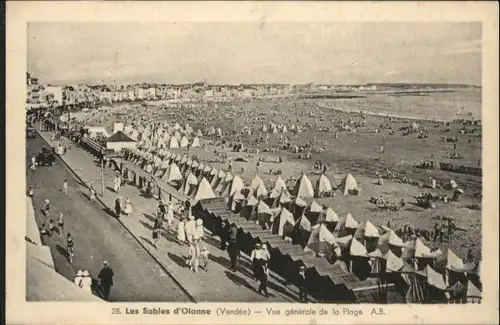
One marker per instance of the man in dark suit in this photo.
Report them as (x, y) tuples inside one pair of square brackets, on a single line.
[(302, 284), (106, 278), (232, 249)]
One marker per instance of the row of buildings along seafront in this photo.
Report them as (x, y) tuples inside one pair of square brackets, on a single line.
[(41, 95)]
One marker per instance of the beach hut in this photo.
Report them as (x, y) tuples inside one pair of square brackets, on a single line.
[(119, 141)]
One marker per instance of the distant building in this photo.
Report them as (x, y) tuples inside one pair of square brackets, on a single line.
[(106, 95), (247, 92), (56, 94)]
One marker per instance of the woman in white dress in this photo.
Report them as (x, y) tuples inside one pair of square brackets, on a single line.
[(128, 207), (117, 183), (181, 231), (87, 282), (170, 215)]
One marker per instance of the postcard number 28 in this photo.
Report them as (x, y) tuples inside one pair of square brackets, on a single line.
[(115, 311)]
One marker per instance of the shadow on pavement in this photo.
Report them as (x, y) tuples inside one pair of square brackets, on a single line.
[(146, 225), (149, 217), (147, 240), (239, 281), (61, 250), (177, 259)]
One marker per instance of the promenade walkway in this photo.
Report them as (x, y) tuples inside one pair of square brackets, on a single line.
[(218, 284)]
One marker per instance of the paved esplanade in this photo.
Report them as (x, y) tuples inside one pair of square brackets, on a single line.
[(219, 284), (97, 237)]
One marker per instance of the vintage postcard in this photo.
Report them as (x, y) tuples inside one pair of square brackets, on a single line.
[(252, 162)]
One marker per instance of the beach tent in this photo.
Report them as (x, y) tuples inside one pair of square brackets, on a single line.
[(328, 216), (261, 192), (284, 198), (388, 262), (283, 223), (235, 184), (302, 230), (177, 136), (313, 211), (321, 240), (346, 223), (262, 213), (204, 190), (218, 179), (206, 170), (235, 201), (390, 238), (315, 207), (189, 184), (323, 185), (256, 182), (304, 187), (279, 184), (357, 249), (173, 174), (195, 143), (274, 194), (184, 142), (349, 185), (367, 229), (173, 143)]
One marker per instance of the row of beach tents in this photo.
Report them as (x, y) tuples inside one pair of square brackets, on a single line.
[(367, 249)]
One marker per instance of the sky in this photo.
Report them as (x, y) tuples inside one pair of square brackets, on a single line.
[(234, 53)]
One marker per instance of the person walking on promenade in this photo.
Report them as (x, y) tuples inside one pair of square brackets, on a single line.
[(118, 207), (78, 279), (60, 223), (106, 279), (46, 208), (86, 282), (302, 284), (65, 187), (181, 231), (190, 227), (204, 253), (33, 163), (198, 230), (193, 256), (92, 193), (117, 183), (170, 216), (256, 258), (157, 230), (260, 268), (128, 207), (232, 249)]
